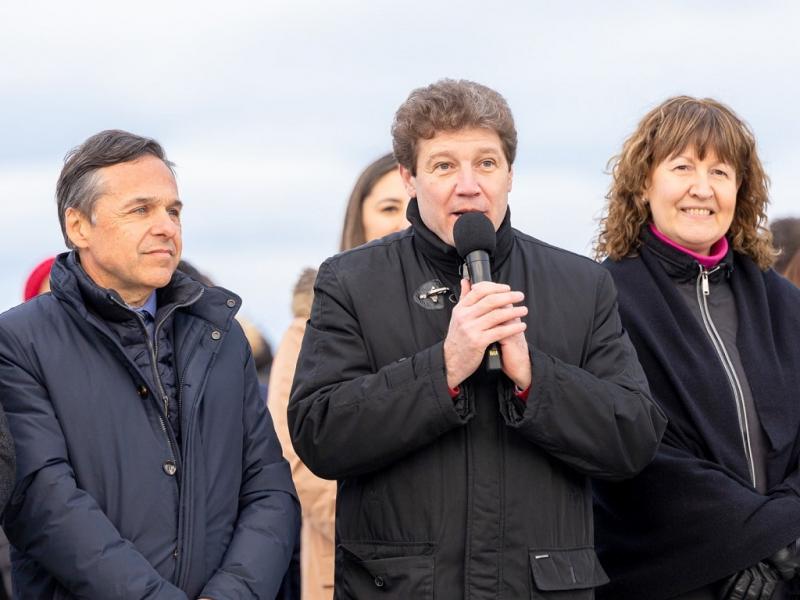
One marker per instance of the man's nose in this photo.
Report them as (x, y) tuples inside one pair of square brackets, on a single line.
[(467, 183), (165, 224)]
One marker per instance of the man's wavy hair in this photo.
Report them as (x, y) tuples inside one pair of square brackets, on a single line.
[(667, 130), (450, 105)]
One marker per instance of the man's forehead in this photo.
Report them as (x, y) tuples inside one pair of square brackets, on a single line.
[(463, 140), (145, 177)]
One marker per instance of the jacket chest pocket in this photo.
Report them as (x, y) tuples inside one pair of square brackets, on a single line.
[(565, 574), (394, 572)]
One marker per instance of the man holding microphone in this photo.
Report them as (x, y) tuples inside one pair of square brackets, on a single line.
[(461, 476)]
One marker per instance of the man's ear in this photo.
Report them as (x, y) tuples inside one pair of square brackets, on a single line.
[(78, 227), (510, 177), (409, 181)]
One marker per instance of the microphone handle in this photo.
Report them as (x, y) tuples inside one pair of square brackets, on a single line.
[(480, 270)]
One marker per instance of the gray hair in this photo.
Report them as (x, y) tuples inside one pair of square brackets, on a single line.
[(80, 184)]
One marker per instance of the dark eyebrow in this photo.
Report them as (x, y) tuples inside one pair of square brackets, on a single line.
[(438, 155), (150, 200), (447, 154)]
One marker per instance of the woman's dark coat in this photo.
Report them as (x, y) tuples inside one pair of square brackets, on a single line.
[(98, 510), (693, 517), (484, 496)]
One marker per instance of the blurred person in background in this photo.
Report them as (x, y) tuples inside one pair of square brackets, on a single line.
[(147, 465), (377, 204), (792, 270), (786, 239), (377, 207), (262, 353), (454, 480), (717, 512), (38, 281)]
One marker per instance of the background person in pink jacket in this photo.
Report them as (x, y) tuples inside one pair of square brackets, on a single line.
[(377, 207)]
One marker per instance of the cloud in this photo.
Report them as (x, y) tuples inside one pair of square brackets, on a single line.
[(271, 109)]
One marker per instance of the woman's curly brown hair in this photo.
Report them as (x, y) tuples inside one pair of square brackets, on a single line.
[(677, 124)]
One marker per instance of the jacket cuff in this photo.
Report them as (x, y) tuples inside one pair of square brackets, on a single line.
[(461, 405)]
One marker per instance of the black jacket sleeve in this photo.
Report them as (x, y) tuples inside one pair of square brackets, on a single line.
[(345, 419), (597, 417), (689, 516)]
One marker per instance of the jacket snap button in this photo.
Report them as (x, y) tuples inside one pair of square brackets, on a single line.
[(169, 468), (231, 303), (142, 391), (215, 335), (379, 582)]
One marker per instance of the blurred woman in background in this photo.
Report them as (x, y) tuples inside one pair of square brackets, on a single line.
[(377, 204), (717, 512), (377, 207)]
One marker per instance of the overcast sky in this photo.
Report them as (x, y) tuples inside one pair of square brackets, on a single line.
[(270, 109)]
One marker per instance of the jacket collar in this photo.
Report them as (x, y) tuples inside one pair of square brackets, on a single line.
[(679, 265), (444, 256), (71, 284)]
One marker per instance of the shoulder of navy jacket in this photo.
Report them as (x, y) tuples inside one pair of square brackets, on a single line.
[(216, 305)]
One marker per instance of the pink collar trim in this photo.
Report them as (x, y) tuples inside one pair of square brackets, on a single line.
[(718, 249)]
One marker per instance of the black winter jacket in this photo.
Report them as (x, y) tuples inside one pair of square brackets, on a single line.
[(484, 496), (105, 505), (693, 516)]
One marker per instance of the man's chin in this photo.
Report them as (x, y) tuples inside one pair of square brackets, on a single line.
[(161, 278)]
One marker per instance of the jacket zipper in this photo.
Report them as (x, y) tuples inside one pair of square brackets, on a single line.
[(171, 443), (153, 348), (703, 291)]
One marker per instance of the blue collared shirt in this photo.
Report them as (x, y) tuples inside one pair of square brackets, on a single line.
[(148, 311)]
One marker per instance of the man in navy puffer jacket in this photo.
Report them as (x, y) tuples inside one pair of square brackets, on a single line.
[(147, 465)]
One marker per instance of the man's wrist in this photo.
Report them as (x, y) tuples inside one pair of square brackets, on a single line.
[(523, 382)]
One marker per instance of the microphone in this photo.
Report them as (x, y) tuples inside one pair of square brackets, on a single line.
[(475, 240)]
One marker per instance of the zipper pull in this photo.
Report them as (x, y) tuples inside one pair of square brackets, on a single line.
[(704, 281)]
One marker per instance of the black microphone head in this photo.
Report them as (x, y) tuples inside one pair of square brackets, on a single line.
[(473, 231)]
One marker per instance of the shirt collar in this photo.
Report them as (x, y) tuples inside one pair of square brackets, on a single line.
[(149, 305)]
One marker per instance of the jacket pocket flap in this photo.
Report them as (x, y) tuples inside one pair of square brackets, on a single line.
[(566, 569), (366, 551), (405, 570)]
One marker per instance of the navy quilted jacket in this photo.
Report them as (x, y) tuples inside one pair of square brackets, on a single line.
[(106, 503)]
